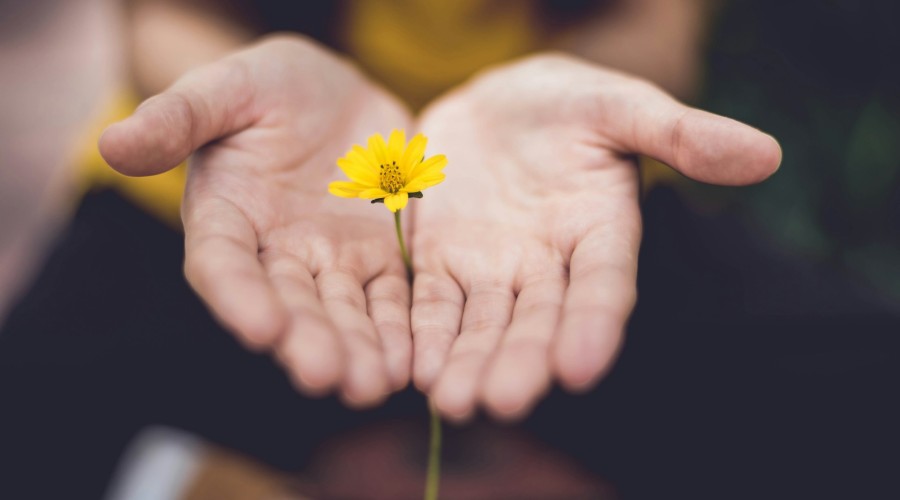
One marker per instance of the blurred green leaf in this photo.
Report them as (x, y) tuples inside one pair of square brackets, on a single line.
[(873, 156)]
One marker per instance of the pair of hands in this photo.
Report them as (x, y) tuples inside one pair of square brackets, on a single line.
[(525, 257)]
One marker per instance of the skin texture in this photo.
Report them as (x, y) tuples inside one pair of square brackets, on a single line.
[(526, 257), (289, 268)]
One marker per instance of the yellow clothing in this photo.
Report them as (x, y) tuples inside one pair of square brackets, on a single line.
[(421, 48)]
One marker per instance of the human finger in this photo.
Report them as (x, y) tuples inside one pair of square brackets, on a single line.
[(599, 298), (207, 103), (366, 382), (310, 349), (222, 266), (485, 318), (388, 303), (437, 307), (520, 371), (640, 118)]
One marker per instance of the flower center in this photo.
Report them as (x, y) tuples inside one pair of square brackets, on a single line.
[(391, 180)]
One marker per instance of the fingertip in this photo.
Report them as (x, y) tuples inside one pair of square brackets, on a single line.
[(154, 139), (313, 387), (422, 383), (502, 403), (455, 413), (114, 145), (459, 420), (510, 393), (363, 402), (399, 370), (578, 381), (316, 366), (263, 323), (256, 331), (426, 367), (770, 156), (754, 157), (259, 316), (366, 391), (318, 383), (510, 411), (723, 151), (584, 353), (578, 378), (455, 401), (366, 383)]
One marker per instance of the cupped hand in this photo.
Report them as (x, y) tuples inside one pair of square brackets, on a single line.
[(526, 257), (283, 264)]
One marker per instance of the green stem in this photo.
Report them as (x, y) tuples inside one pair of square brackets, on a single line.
[(433, 479), (406, 260)]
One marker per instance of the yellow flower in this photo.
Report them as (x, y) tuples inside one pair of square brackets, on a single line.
[(391, 172)]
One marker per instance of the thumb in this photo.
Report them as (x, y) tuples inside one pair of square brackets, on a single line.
[(206, 104), (701, 145)]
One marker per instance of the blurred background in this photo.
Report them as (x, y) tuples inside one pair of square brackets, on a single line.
[(763, 359)]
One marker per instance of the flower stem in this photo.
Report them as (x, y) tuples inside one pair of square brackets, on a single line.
[(432, 481), (406, 260), (433, 478)]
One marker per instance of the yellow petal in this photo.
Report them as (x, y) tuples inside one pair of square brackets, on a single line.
[(434, 164), (413, 154), (396, 142), (345, 189), (357, 171), (378, 148), (366, 155), (373, 193), (424, 182), (396, 202)]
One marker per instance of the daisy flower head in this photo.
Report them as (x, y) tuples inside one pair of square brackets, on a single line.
[(389, 172)]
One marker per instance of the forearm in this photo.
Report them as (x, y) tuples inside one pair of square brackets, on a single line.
[(167, 38), (660, 40), (58, 65)]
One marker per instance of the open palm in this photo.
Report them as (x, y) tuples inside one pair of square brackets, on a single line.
[(526, 257), (282, 263)]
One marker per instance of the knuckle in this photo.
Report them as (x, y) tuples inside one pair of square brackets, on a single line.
[(483, 324), (428, 299), (179, 122), (391, 325), (394, 294), (345, 296), (677, 137)]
